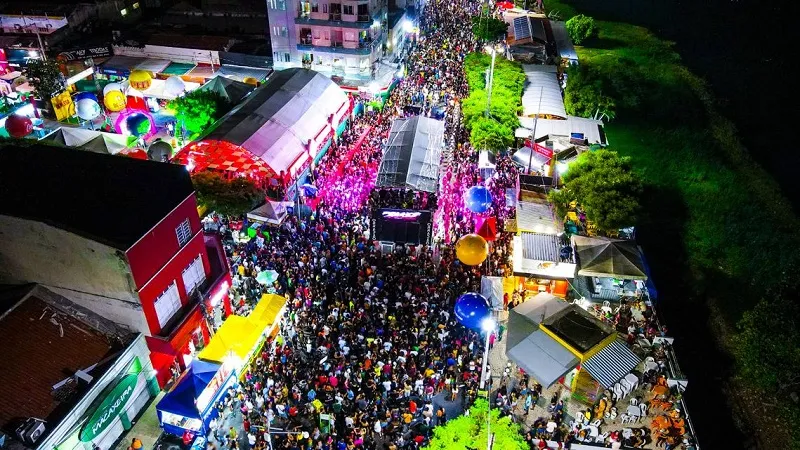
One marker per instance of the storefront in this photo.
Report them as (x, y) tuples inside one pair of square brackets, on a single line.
[(189, 406), (111, 406)]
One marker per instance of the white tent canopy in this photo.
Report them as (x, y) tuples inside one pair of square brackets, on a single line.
[(272, 213), (284, 119), (542, 93), (412, 155), (91, 140), (555, 127)]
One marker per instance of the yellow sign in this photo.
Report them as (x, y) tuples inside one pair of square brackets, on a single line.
[(63, 106)]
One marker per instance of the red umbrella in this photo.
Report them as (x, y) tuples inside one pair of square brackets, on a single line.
[(505, 5)]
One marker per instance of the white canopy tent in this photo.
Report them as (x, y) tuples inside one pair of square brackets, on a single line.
[(590, 128), (285, 119), (412, 155), (542, 93)]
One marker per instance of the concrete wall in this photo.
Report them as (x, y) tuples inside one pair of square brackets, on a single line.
[(284, 44), (90, 274)]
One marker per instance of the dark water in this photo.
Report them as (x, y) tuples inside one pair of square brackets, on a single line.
[(745, 51)]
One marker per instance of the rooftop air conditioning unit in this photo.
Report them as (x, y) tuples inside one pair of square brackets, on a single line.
[(31, 430)]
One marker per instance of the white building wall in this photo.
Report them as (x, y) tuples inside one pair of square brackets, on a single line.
[(91, 274), (284, 42)]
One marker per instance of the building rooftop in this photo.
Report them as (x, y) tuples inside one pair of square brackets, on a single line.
[(577, 328), (110, 199), (204, 42), (42, 347)]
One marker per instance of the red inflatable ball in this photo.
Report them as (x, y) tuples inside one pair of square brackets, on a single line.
[(18, 126)]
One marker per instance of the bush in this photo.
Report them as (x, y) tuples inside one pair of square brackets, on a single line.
[(580, 28), (199, 109), (488, 28), (229, 197)]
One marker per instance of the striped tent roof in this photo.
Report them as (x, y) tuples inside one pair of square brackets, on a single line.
[(612, 363)]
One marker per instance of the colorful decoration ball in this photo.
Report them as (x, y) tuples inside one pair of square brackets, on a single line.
[(250, 80), (138, 124), (472, 249), (140, 80), (478, 199), (174, 86), (472, 309), (84, 95), (115, 101), (18, 126), (88, 109), (111, 87)]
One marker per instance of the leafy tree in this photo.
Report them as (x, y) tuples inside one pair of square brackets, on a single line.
[(232, 197), (488, 28), (199, 109), (470, 431), (44, 76), (604, 184), (581, 28), (585, 95), (767, 347), (490, 134)]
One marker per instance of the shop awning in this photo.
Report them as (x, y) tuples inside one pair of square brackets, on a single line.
[(543, 358), (611, 363), (239, 73), (120, 65), (237, 336), (180, 400), (526, 317), (267, 310), (153, 65)]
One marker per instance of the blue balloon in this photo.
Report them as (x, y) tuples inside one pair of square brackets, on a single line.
[(478, 199), (471, 309), (82, 95), (138, 124)]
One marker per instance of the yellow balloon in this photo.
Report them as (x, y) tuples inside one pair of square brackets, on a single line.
[(115, 101), (140, 79), (472, 249)]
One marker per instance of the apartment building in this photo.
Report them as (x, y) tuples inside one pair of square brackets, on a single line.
[(339, 38)]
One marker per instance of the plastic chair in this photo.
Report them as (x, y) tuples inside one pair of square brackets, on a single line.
[(632, 380), (634, 401), (597, 422), (624, 418), (606, 307), (601, 438)]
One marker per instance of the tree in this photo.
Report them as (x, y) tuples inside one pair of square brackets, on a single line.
[(605, 186), (488, 28), (581, 28), (490, 134), (199, 109), (470, 432), (232, 197), (46, 79), (585, 95)]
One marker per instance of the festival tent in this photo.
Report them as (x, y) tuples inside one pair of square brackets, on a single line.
[(272, 213), (526, 317), (542, 93), (412, 154), (591, 129), (237, 336), (233, 91), (267, 311), (181, 399), (93, 141), (286, 120), (544, 358), (608, 258)]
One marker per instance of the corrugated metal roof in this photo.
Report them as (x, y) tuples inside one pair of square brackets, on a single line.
[(541, 247), (536, 218), (563, 42), (542, 94), (543, 358), (612, 363), (555, 127)]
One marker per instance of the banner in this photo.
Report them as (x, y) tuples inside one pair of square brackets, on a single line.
[(102, 51)]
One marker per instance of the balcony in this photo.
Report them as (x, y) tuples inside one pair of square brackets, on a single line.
[(341, 47), (360, 21)]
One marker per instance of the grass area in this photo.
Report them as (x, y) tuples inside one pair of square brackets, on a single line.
[(716, 228)]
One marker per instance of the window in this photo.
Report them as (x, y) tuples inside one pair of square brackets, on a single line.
[(123, 12), (287, 57), (276, 56), (284, 32), (315, 7), (136, 5), (184, 232), (348, 9), (281, 5), (325, 8), (167, 304), (194, 275)]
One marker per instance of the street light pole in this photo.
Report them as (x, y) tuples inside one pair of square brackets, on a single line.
[(535, 122), (491, 80)]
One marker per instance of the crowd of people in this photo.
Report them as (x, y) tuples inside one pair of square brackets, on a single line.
[(402, 198)]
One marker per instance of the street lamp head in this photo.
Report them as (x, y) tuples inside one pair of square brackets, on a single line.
[(487, 324)]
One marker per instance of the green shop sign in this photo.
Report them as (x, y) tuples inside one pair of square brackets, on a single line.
[(113, 404)]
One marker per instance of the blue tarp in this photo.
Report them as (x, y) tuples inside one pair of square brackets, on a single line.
[(180, 400)]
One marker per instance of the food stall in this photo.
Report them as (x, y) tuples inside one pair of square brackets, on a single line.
[(189, 406)]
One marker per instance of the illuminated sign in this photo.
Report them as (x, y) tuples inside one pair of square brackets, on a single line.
[(401, 215), (111, 407), (208, 394)]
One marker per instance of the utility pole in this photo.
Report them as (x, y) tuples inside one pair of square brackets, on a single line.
[(535, 122)]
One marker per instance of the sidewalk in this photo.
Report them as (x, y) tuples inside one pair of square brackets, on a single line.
[(146, 428)]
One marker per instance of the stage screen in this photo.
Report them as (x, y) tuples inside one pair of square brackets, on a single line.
[(402, 226)]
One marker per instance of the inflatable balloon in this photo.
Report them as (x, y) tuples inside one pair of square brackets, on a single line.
[(18, 126), (84, 95), (250, 80), (159, 151), (472, 309), (115, 101), (111, 87), (174, 86), (478, 199), (138, 124), (88, 109), (472, 249), (140, 79)]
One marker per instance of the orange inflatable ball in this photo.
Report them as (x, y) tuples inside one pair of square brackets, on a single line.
[(140, 80), (472, 249), (115, 101), (250, 80)]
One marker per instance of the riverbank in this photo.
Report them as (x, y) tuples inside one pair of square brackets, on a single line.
[(716, 229)]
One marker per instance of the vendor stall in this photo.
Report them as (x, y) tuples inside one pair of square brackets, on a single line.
[(189, 406)]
